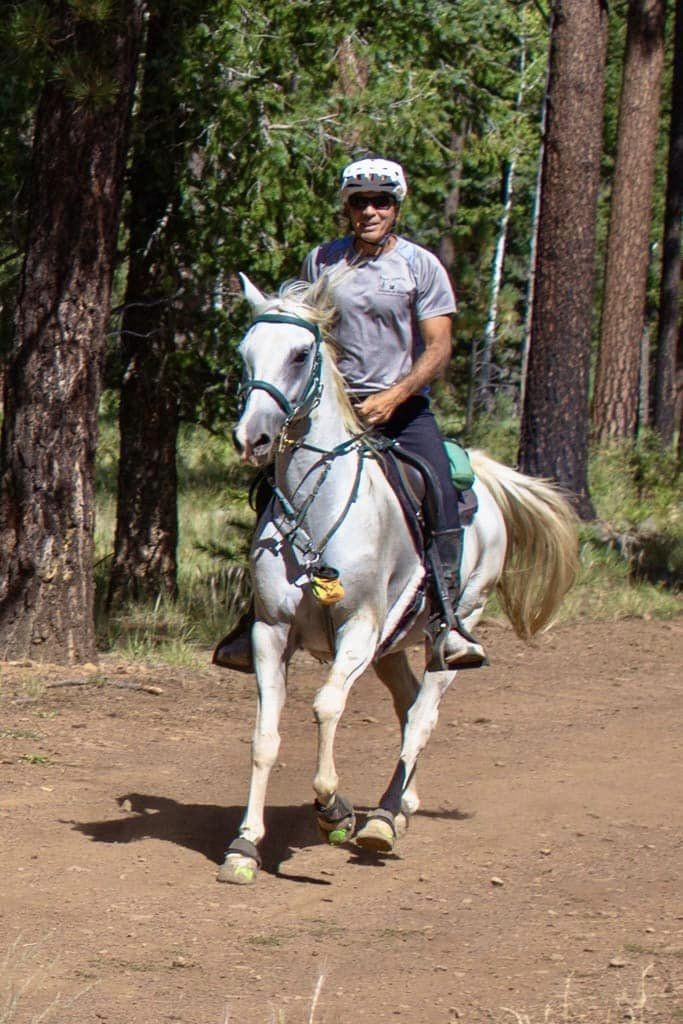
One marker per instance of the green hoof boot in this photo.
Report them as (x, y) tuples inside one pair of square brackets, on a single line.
[(337, 822), (238, 870), (338, 832), (241, 864)]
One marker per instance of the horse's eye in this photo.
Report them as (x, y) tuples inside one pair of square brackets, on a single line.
[(300, 357)]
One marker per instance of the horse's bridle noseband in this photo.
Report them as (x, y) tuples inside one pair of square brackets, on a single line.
[(313, 389)]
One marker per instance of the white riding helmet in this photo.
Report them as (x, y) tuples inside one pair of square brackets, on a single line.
[(374, 175)]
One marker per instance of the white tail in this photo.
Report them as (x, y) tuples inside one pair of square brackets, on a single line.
[(542, 553)]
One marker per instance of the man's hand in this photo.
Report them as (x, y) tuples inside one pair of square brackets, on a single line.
[(380, 407)]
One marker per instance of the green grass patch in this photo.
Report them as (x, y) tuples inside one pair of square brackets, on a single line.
[(39, 759)]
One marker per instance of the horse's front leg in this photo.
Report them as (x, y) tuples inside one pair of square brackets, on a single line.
[(242, 860), (379, 833), (356, 643)]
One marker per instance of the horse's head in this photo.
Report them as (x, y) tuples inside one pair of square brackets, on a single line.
[(282, 380)]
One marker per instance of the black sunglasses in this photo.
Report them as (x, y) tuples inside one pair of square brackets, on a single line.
[(381, 201)]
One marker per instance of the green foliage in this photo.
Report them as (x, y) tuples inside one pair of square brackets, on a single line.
[(258, 108), (631, 483), (97, 11), (32, 28), (85, 82)]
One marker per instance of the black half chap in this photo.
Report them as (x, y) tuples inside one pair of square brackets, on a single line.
[(414, 427)]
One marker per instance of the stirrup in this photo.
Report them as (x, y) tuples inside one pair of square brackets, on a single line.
[(235, 651), (472, 654)]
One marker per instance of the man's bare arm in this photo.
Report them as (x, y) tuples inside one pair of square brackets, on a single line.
[(432, 363)]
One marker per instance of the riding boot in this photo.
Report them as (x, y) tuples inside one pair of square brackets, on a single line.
[(235, 651), (460, 649)]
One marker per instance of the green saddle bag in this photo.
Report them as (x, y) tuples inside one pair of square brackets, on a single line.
[(462, 473)]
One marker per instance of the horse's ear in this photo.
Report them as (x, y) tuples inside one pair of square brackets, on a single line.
[(254, 297)]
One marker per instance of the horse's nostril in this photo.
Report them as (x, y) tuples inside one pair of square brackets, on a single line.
[(237, 443), (262, 441)]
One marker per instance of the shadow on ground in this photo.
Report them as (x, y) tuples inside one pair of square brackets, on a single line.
[(205, 828), (208, 829)]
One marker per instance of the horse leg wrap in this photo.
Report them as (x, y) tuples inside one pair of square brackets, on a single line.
[(338, 821), (381, 815), (245, 849)]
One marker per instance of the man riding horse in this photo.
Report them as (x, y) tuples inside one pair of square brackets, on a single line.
[(393, 339)]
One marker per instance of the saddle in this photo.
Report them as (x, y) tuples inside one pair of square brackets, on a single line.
[(417, 489)]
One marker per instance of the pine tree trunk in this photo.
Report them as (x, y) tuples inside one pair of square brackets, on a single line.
[(447, 243), (615, 408), (146, 540), (670, 287), (678, 387), (47, 506), (554, 435), (145, 547)]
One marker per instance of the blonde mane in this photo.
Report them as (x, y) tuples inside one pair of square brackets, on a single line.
[(315, 303)]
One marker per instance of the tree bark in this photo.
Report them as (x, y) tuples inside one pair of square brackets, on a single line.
[(145, 546), (447, 250), (615, 406), (52, 389), (554, 433), (670, 285), (678, 387), (146, 540)]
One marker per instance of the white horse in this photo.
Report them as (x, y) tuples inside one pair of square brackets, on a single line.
[(333, 505)]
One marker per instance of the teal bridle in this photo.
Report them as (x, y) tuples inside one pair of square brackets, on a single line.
[(312, 391)]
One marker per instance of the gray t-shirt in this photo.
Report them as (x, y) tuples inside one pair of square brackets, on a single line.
[(381, 302)]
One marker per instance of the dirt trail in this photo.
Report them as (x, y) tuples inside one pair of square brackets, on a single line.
[(542, 875)]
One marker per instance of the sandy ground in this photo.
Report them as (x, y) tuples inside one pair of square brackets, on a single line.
[(540, 882)]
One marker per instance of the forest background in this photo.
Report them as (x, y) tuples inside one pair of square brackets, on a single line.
[(149, 152)]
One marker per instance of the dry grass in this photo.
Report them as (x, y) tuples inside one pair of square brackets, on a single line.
[(21, 971), (278, 1015), (568, 1010)]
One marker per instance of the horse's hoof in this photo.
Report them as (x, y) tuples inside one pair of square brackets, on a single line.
[(238, 870), (339, 832), (376, 835), (337, 823)]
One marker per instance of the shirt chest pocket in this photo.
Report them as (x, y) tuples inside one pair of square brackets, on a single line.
[(394, 285)]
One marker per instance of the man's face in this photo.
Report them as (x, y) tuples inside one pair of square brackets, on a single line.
[(372, 214)]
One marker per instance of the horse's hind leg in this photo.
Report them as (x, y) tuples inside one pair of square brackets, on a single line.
[(242, 860), (380, 832), (395, 672)]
